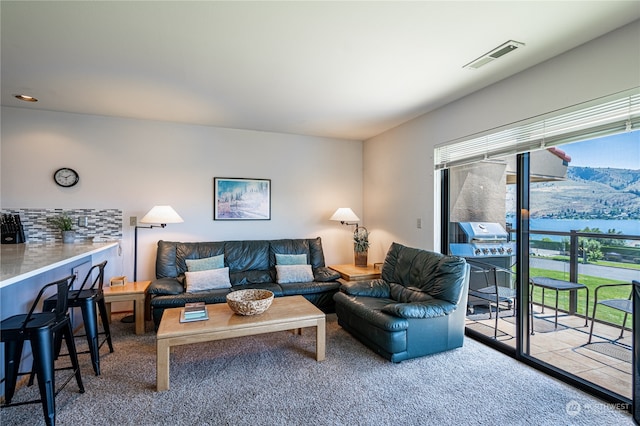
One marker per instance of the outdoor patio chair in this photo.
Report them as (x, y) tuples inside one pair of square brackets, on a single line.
[(623, 305), (493, 293)]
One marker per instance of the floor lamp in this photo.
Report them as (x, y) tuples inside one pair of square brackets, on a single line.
[(346, 216), (158, 217)]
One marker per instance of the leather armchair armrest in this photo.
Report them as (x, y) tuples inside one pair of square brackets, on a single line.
[(166, 286), (371, 288), (324, 274), (427, 309)]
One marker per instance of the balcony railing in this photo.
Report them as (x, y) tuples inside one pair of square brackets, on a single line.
[(576, 256)]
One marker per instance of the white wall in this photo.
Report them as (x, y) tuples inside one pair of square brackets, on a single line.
[(399, 184), (134, 164)]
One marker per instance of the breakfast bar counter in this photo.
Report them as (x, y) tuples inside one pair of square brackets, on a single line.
[(27, 267), (22, 261)]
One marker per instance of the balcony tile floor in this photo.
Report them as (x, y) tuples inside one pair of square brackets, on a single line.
[(565, 348)]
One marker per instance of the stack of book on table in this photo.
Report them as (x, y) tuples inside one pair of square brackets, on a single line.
[(196, 311)]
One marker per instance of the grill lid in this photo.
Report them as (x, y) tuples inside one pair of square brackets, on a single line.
[(484, 232)]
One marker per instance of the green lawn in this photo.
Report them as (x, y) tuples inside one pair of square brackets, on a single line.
[(603, 313)]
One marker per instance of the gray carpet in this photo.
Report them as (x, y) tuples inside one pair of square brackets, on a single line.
[(274, 380)]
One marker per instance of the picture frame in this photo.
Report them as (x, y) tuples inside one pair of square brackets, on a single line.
[(241, 199)]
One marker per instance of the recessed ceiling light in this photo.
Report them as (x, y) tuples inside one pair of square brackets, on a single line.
[(26, 98)]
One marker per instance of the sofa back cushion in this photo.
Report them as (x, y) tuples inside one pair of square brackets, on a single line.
[(171, 256), (311, 247), (438, 275)]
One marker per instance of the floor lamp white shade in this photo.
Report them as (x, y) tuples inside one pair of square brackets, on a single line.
[(162, 215), (345, 215)]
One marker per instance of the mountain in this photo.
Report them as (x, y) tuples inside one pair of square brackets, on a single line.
[(619, 179), (588, 193)]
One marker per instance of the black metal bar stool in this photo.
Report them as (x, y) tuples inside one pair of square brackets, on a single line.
[(42, 330), (87, 299)]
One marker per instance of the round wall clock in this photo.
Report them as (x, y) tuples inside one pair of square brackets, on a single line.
[(66, 177)]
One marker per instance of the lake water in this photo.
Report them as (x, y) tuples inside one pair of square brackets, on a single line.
[(627, 227)]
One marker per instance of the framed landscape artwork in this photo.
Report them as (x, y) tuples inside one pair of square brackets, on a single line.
[(241, 199)]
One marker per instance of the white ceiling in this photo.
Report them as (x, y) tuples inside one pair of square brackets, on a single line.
[(331, 68)]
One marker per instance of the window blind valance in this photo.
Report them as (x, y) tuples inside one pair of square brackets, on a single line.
[(602, 117)]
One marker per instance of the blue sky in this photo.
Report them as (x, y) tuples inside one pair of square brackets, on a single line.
[(620, 151)]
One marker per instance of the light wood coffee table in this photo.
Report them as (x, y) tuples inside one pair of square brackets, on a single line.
[(285, 313)]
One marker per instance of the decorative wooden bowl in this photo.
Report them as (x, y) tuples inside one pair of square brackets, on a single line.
[(249, 302)]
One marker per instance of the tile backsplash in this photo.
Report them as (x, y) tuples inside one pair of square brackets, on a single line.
[(99, 223)]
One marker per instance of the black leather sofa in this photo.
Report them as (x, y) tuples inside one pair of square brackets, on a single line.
[(416, 308), (251, 264)]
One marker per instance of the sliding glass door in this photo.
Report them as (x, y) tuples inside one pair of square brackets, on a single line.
[(550, 234), (584, 249), (480, 216), (547, 212)]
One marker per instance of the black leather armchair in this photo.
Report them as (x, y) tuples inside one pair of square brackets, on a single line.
[(417, 308)]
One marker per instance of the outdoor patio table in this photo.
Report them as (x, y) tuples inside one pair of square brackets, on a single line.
[(559, 285)]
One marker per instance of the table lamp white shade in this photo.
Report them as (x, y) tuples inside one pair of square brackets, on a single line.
[(162, 214), (344, 215)]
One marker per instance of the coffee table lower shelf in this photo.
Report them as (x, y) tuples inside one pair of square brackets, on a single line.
[(285, 313)]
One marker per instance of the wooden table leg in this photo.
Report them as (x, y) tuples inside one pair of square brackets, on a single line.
[(321, 340), (139, 313), (162, 365)]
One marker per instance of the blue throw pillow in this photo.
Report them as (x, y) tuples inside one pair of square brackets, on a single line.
[(215, 262), (291, 259)]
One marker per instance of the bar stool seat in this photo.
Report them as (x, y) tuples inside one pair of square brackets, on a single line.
[(88, 299), (41, 330)]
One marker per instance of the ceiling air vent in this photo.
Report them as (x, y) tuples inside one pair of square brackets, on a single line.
[(496, 53)]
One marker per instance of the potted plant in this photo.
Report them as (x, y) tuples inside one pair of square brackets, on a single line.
[(65, 224), (360, 245)]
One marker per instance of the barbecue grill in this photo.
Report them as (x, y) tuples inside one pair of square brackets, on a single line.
[(481, 240), (486, 242)]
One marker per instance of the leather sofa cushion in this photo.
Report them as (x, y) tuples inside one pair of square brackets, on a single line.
[(428, 309), (370, 288), (311, 247), (369, 310), (166, 286), (407, 294), (243, 256), (250, 277), (291, 289), (439, 276), (323, 274)]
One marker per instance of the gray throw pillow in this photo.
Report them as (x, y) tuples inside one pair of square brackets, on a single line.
[(294, 274), (207, 280)]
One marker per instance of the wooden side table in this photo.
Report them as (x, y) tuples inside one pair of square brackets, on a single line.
[(136, 292), (351, 272)]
